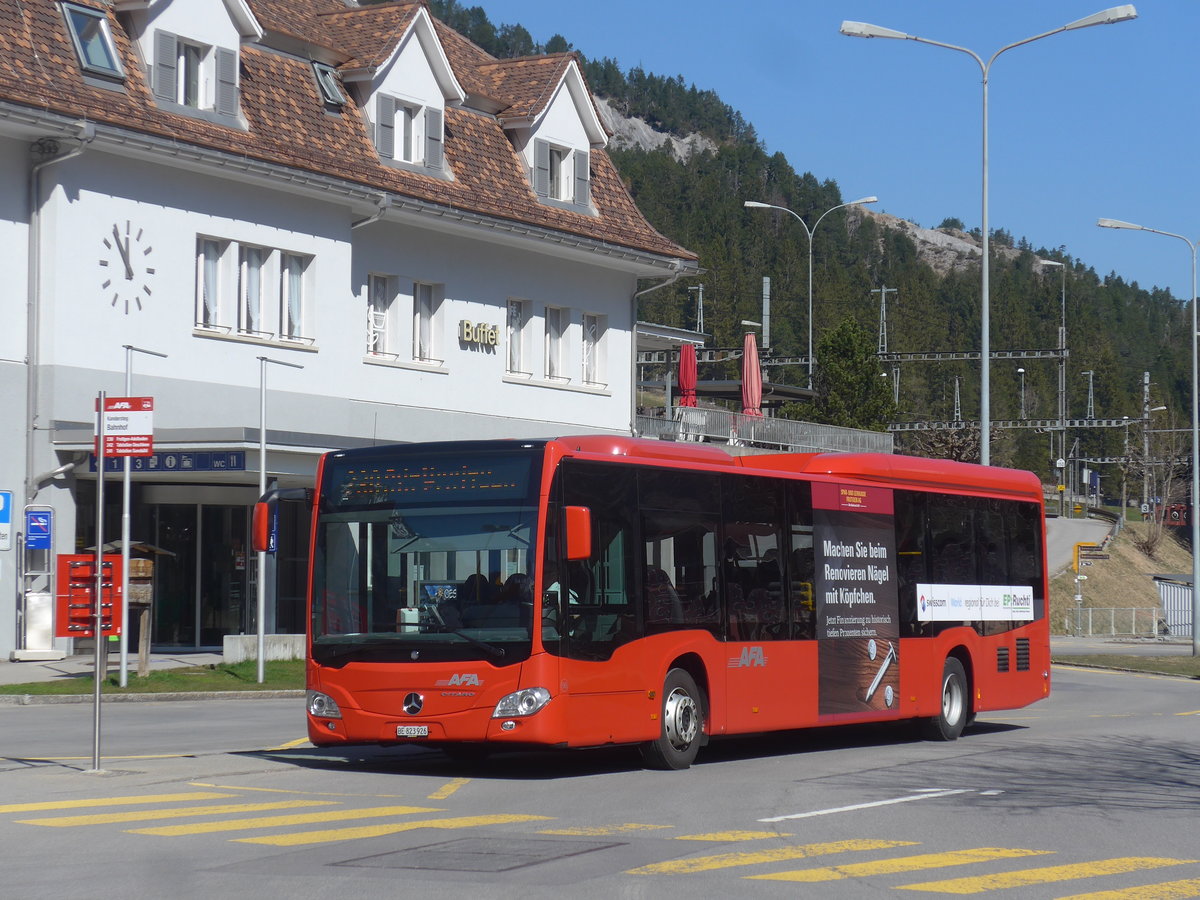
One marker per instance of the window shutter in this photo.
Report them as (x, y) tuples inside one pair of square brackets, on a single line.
[(166, 66), (583, 196), (385, 126), (433, 138), (227, 81), (541, 168)]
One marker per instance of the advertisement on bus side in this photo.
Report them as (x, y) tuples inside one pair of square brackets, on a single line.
[(857, 602)]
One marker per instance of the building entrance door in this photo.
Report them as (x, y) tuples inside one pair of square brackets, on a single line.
[(201, 592)]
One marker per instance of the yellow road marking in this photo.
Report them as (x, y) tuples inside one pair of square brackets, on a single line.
[(335, 815), (110, 801), (778, 854), (177, 813), (1193, 713), (900, 864), (601, 830), (1025, 877), (368, 831), (732, 836), (266, 790), (1167, 890), (289, 745), (447, 789)]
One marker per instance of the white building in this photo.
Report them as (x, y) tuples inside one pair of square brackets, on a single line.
[(437, 237)]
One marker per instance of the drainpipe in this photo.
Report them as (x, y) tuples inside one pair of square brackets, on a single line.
[(676, 274), (85, 133)]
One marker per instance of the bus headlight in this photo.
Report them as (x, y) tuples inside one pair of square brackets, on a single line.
[(522, 703), (322, 706)]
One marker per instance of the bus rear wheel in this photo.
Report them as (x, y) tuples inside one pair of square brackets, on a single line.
[(949, 723), (681, 725)]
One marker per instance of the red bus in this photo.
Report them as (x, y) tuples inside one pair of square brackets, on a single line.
[(599, 590)]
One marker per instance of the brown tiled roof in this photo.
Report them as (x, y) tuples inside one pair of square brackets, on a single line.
[(289, 126), (527, 82)]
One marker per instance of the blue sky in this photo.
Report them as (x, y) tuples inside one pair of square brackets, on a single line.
[(1087, 124)]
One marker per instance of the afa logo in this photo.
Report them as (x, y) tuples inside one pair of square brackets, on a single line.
[(458, 680), (751, 656)]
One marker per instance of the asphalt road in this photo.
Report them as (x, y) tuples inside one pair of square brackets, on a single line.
[(1091, 790)]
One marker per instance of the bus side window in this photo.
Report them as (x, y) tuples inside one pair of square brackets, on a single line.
[(800, 569)]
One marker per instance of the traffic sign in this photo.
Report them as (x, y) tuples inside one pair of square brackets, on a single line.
[(128, 424), (6, 520), (39, 529)]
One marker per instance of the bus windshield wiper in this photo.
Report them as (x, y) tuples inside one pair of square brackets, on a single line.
[(490, 649)]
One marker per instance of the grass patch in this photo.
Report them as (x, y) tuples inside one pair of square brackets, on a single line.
[(278, 675), (1188, 666)]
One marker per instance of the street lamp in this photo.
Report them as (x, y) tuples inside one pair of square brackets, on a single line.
[(1115, 223), (754, 204), (862, 29), (1021, 372), (123, 677), (262, 489)]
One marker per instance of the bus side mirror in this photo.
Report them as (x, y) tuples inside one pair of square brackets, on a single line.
[(578, 523), (260, 529)]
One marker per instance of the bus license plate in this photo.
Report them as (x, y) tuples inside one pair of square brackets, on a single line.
[(412, 731)]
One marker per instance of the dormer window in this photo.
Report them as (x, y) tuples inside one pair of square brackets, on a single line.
[(562, 174), (408, 132), (195, 77), (93, 41), (329, 85)]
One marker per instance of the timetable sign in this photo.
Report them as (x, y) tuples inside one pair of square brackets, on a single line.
[(6, 520), (128, 424)]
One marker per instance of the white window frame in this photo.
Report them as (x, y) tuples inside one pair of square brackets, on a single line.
[(329, 85), (426, 346), (561, 175), (516, 331), (252, 280), (410, 132), (381, 315), (556, 325), (196, 78), (210, 281), (293, 291), (594, 363), (90, 32)]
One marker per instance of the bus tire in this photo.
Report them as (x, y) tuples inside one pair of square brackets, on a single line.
[(681, 724), (949, 723)]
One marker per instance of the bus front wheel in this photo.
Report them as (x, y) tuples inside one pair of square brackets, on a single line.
[(681, 723), (949, 723)]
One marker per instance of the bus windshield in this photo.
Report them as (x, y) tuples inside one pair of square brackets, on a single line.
[(424, 554)]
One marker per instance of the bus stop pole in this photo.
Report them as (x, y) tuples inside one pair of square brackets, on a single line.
[(100, 661)]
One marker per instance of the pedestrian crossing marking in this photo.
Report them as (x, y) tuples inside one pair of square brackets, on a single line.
[(724, 836), (1168, 890), (899, 864), (141, 815), (603, 830), (1047, 875), (111, 801), (335, 815), (777, 854), (367, 831)]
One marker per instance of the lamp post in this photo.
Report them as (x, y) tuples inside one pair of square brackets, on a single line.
[(862, 29), (1021, 373), (1195, 520), (125, 495), (754, 204), (262, 489)]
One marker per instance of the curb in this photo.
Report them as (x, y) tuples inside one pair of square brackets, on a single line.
[(51, 699)]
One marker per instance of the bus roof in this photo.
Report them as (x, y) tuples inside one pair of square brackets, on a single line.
[(881, 468)]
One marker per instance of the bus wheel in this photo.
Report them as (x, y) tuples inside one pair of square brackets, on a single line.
[(948, 725), (682, 721)]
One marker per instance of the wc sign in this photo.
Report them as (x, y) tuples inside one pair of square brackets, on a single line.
[(6, 520)]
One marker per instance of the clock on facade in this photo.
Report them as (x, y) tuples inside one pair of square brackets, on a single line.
[(127, 272)]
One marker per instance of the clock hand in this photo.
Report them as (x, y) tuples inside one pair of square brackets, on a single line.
[(123, 248)]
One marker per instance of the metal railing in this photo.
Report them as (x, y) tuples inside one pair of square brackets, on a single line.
[(1118, 622), (719, 426)]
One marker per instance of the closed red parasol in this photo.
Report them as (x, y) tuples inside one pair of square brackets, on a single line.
[(687, 375), (751, 378)]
